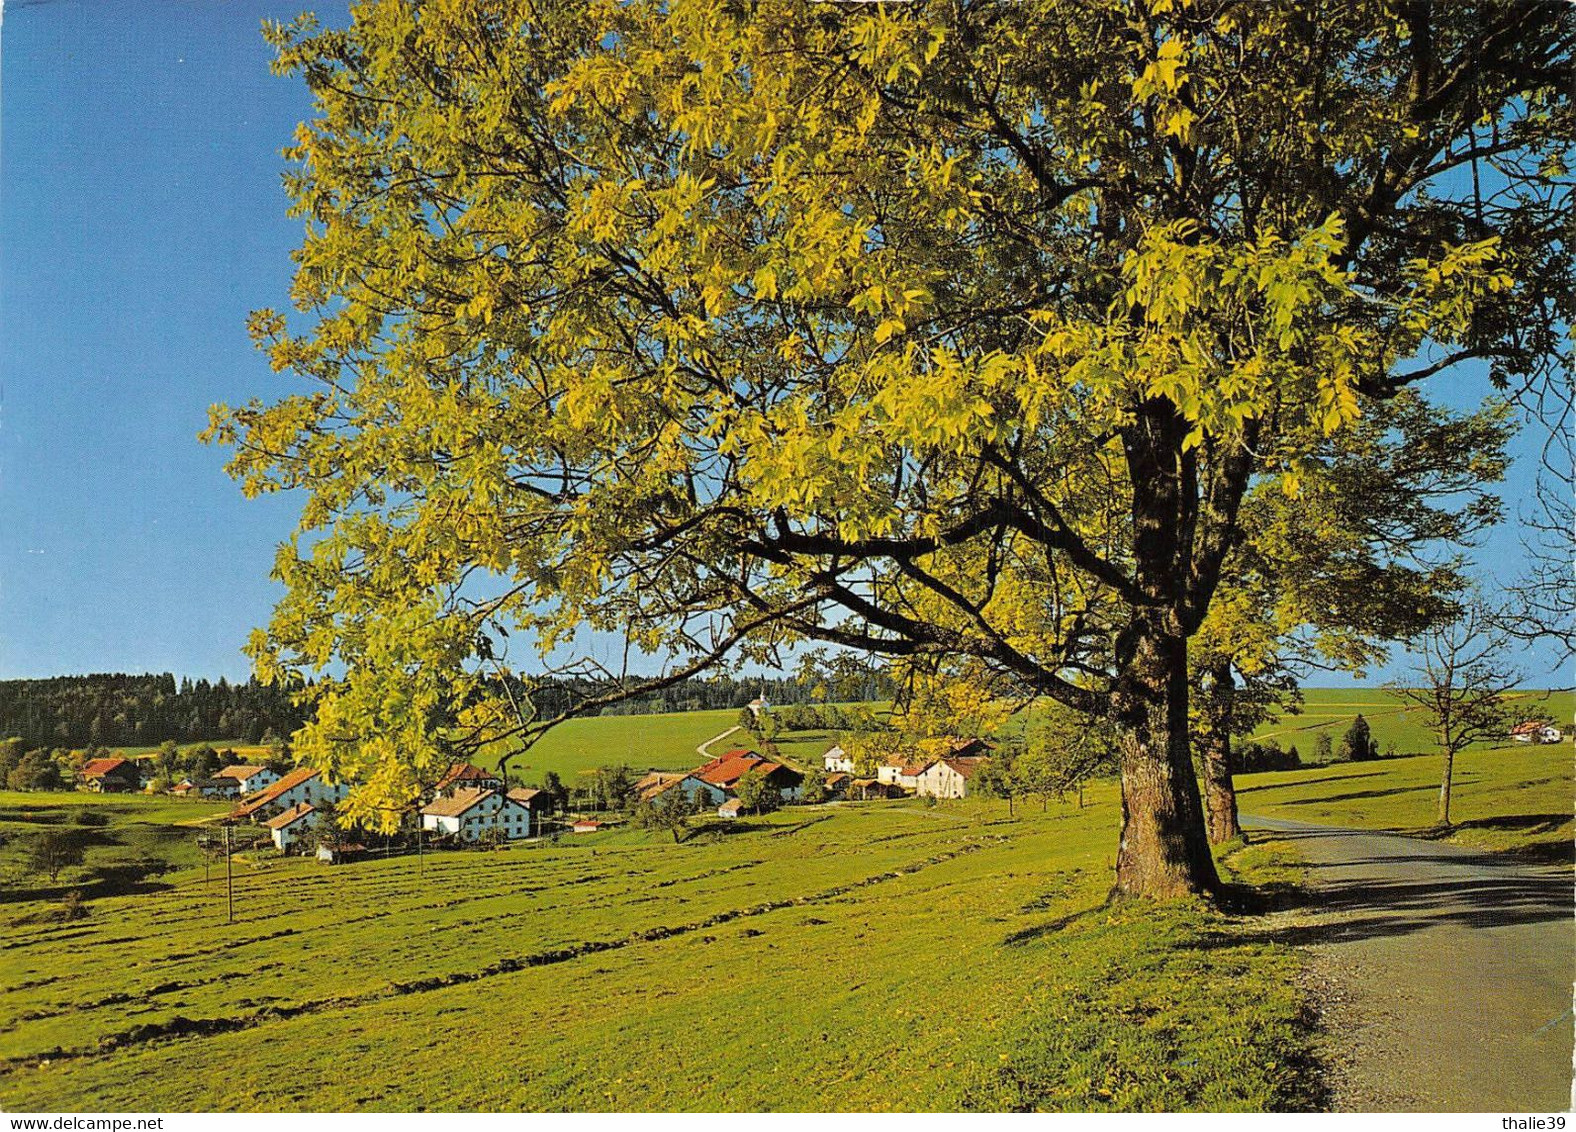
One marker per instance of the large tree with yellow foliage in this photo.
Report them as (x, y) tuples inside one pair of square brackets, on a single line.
[(951, 332)]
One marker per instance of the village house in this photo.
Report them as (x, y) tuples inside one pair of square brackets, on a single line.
[(837, 784), (1536, 731), (732, 808), (467, 776), (292, 828), (586, 825), (538, 802), (835, 759), (723, 773), (470, 814), (248, 779), (110, 776), (901, 773), (206, 788), (946, 778), (658, 782), (865, 789), (303, 784)]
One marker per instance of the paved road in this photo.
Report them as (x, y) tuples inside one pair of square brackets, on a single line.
[(1447, 974)]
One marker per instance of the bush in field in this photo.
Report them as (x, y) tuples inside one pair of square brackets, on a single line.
[(53, 851), (813, 789), (72, 907), (1357, 745), (1323, 750), (1252, 756), (37, 770), (91, 818), (757, 795)]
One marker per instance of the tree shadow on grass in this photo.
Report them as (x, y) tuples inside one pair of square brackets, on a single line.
[(1306, 781), (1475, 890), (1356, 794)]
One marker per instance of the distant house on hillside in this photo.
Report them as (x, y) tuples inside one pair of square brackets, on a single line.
[(248, 779), (732, 808), (837, 784), (467, 776), (110, 776), (303, 784), (470, 814), (946, 778), (587, 825), (835, 759), (1536, 731), (291, 828)]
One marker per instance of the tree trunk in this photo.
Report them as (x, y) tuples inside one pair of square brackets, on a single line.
[(1164, 851), (1444, 787), (1220, 793)]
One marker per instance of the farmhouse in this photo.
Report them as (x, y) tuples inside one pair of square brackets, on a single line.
[(732, 808), (539, 802), (586, 825), (902, 774), (469, 814), (467, 776), (838, 760), (303, 784), (1536, 731), (946, 778), (723, 773), (110, 776), (657, 783), (248, 779), (206, 788), (864, 789), (837, 784), (291, 828)]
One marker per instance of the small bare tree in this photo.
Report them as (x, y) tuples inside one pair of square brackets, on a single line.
[(1461, 673)]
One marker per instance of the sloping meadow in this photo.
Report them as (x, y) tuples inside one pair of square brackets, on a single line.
[(847, 957)]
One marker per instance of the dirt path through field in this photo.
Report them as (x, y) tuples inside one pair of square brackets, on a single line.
[(1445, 974), (704, 749)]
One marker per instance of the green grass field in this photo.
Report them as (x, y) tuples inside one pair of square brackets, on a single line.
[(140, 836), (1511, 798), (1394, 724), (881, 956)]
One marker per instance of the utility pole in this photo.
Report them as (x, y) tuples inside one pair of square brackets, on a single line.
[(229, 875)]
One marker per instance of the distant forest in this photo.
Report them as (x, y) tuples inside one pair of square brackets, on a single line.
[(118, 710)]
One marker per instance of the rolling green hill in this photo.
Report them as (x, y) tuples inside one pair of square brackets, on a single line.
[(882, 956)]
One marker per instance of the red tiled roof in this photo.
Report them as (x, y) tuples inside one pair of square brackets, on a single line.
[(269, 793), (586, 824), (457, 804), (95, 768), (237, 772), (914, 770), (965, 765), (729, 769), (289, 817), (465, 772)]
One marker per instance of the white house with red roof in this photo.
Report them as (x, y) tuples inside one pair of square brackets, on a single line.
[(248, 778), (291, 828), (303, 784), (946, 778), (468, 776), (835, 760), (470, 814)]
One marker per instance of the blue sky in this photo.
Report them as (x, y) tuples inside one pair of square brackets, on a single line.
[(141, 218)]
